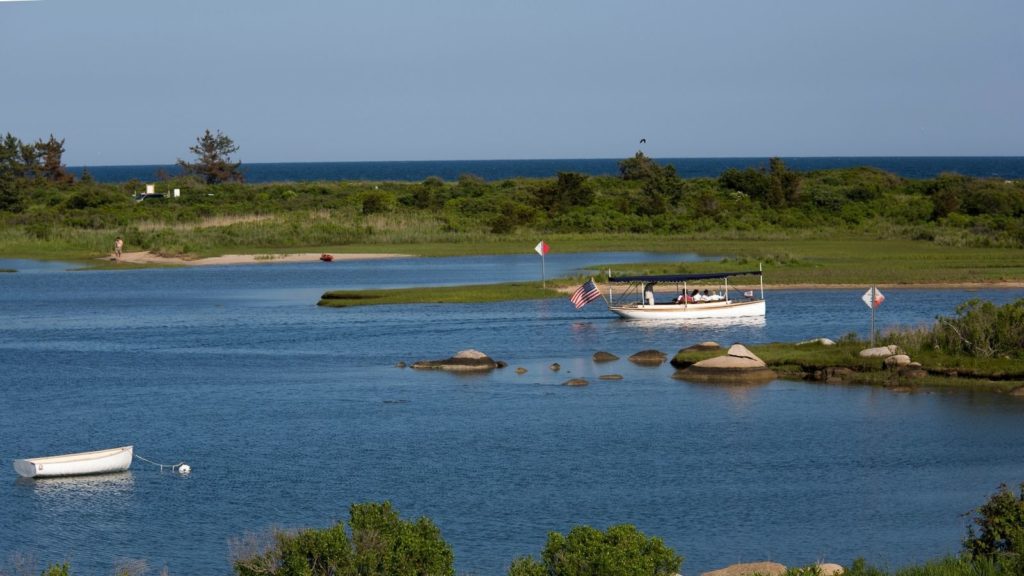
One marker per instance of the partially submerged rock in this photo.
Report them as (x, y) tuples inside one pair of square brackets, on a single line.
[(750, 569), (610, 377), (464, 361), (648, 357), (605, 357), (576, 382), (555, 367), (738, 365), (520, 370)]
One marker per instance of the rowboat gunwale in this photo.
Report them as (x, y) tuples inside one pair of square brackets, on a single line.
[(76, 464)]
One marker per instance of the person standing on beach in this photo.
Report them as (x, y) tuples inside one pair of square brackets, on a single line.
[(118, 247)]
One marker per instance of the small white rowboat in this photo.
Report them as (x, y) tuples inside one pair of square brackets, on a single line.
[(81, 463)]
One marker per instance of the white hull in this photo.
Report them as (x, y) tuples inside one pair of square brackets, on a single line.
[(98, 462), (723, 309)]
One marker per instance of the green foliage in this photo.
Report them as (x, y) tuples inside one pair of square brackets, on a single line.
[(950, 566), (382, 544), (764, 204), (52, 166), (376, 201), (569, 190), (386, 545), (213, 159), (57, 570), (982, 329), (622, 550), (1000, 522)]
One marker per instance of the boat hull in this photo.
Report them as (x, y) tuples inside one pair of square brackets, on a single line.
[(78, 464), (725, 309)]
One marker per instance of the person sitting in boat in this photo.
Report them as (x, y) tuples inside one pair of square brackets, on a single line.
[(706, 295), (682, 299), (695, 295)]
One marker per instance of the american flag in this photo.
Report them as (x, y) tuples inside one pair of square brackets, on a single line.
[(584, 294)]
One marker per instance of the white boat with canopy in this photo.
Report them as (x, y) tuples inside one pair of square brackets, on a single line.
[(638, 301), (78, 464)]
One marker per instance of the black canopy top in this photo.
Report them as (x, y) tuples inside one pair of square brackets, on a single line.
[(653, 279)]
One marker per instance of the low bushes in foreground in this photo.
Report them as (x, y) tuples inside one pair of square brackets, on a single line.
[(382, 544), (620, 551)]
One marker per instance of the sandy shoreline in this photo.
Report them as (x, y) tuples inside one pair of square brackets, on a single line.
[(226, 259)]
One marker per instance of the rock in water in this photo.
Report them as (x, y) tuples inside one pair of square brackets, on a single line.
[(648, 357), (464, 361), (575, 382), (738, 365), (605, 357)]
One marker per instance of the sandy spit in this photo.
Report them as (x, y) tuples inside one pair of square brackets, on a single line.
[(150, 258)]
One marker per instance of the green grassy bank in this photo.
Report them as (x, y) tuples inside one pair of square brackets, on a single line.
[(943, 370), (439, 295)]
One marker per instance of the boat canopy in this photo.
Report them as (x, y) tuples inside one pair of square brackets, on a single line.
[(654, 279)]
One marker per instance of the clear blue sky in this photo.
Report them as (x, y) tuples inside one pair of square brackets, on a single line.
[(135, 82)]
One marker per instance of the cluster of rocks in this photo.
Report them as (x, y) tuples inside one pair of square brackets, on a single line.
[(895, 359), (737, 366), (773, 569)]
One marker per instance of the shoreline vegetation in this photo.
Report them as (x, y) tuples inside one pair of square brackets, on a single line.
[(822, 227), (378, 542)]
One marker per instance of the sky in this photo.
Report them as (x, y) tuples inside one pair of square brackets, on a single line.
[(136, 82)]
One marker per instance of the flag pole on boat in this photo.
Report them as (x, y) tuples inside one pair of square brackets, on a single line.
[(542, 248)]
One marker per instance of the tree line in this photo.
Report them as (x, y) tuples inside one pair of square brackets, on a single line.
[(645, 197)]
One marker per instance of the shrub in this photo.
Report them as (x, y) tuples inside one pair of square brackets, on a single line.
[(1001, 525), (620, 551), (381, 544), (983, 329)]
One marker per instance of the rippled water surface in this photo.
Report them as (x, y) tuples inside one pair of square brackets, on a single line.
[(288, 413)]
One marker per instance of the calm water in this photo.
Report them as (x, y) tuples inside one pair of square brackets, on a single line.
[(288, 413), (1009, 167)]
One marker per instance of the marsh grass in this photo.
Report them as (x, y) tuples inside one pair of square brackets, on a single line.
[(439, 295)]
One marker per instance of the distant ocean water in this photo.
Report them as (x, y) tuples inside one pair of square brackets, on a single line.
[(1006, 167)]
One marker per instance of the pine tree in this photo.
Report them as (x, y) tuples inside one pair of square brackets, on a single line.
[(213, 159)]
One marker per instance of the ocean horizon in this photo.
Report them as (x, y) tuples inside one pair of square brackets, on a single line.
[(917, 167)]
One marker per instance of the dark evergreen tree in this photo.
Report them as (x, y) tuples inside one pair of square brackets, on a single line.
[(213, 159), (50, 154)]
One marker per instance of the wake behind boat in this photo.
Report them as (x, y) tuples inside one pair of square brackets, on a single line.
[(78, 464), (685, 304)]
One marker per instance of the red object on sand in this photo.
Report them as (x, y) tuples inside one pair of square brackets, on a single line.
[(326, 257)]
